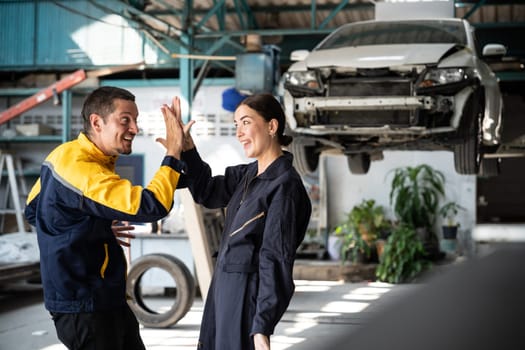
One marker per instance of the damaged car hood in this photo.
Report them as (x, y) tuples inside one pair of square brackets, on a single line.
[(379, 56)]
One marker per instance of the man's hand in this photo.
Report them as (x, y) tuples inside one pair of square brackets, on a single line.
[(183, 141), (122, 231), (174, 130)]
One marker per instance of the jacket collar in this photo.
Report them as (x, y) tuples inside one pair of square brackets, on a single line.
[(278, 166), (90, 148)]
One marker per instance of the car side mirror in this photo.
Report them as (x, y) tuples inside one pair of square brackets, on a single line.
[(494, 50), (299, 55)]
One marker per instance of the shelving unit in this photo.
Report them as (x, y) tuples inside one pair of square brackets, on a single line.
[(66, 98), (14, 169)]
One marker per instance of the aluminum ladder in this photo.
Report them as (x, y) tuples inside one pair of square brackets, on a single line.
[(15, 189)]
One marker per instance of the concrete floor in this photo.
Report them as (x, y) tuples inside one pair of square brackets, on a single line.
[(318, 310), (475, 303)]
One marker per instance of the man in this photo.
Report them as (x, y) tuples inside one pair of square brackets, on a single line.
[(73, 205)]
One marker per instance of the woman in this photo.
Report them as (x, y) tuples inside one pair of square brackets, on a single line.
[(267, 214)]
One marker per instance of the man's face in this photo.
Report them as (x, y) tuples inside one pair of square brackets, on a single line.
[(114, 134)]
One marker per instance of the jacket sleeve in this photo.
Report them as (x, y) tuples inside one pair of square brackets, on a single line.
[(32, 200), (285, 228), (102, 193), (107, 195), (211, 191)]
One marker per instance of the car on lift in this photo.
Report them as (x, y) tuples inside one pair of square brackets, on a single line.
[(377, 85)]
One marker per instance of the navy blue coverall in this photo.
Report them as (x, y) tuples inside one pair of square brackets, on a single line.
[(266, 220)]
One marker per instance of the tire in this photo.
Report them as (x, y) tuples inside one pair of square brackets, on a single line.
[(185, 290), (359, 163), (467, 153), (306, 156)]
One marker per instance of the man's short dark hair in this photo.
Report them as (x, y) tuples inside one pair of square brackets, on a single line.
[(100, 102)]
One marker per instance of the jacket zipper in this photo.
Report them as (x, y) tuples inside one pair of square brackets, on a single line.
[(246, 185), (258, 216)]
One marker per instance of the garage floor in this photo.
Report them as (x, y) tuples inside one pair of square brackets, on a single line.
[(474, 303), (318, 310)]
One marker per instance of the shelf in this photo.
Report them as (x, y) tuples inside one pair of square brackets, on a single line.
[(26, 173), (41, 138)]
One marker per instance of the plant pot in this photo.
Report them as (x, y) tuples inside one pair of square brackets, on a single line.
[(450, 232), (448, 245), (380, 246), (334, 247)]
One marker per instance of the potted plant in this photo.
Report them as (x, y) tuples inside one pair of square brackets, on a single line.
[(448, 212), (353, 246), (403, 257), (364, 224), (415, 196)]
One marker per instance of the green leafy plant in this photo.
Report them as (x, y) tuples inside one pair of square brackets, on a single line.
[(449, 211), (361, 228), (353, 246), (415, 195), (403, 256)]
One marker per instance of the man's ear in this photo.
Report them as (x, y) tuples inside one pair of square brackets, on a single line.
[(96, 122)]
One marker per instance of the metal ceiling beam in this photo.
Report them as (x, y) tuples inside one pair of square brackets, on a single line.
[(474, 9), (214, 11), (249, 13), (173, 36), (333, 14), (264, 32), (313, 15), (278, 9), (186, 65), (469, 3), (168, 35)]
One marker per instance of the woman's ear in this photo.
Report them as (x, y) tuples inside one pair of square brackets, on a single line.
[(274, 126)]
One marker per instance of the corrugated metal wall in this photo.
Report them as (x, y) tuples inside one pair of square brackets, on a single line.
[(64, 35), (17, 34), (50, 35)]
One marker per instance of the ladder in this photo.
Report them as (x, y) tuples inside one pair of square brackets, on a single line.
[(14, 189)]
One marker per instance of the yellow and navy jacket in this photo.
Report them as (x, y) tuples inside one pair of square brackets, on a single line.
[(72, 205)]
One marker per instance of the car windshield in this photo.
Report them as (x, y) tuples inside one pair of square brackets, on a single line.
[(392, 33)]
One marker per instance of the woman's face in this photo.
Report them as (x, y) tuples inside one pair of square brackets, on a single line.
[(253, 131)]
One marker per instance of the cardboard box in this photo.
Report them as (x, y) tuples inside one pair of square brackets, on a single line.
[(35, 129)]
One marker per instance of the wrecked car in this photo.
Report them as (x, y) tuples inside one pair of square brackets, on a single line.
[(394, 85)]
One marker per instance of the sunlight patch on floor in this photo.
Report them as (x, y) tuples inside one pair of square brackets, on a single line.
[(345, 307)]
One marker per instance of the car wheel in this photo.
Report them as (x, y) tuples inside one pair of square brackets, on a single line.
[(358, 164), (306, 156), (467, 153), (183, 294)]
